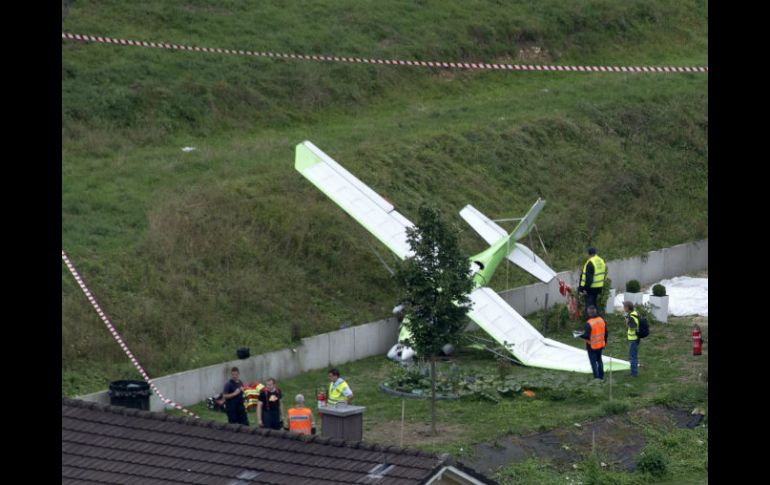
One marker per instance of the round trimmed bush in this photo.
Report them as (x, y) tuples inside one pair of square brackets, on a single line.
[(659, 290), (633, 286)]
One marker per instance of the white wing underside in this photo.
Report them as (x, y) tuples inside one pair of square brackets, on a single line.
[(521, 255), (524, 258), (530, 347), (483, 225), (375, 213)]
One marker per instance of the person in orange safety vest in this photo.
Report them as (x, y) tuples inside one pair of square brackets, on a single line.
[(300, 416), (595, 334)]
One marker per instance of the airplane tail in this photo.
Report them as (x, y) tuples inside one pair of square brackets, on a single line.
[(520, 255)]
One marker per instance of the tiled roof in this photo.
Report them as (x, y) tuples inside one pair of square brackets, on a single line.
[(111, 444)]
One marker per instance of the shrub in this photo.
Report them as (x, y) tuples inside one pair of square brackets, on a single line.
[(653, 461), (593, 472), (645, 310), (558, 317), (659, 290), (633, 286), (564, 316), (601, 302)]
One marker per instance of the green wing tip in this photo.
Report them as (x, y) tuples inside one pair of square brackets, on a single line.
[(304, 158)]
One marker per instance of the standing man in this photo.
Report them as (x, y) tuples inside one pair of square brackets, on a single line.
[(339, 390), (269, 406), (233, 394), (592, 278), (595, 334), (300, 416), (632, 324)]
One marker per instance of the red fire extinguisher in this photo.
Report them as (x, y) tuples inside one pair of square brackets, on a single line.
[(697, 340)]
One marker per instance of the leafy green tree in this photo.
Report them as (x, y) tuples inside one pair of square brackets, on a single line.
[(435, 284)]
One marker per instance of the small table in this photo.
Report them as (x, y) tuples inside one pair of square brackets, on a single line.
[(343, 421)]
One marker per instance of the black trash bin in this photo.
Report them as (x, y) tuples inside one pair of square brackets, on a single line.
[(130, 394)]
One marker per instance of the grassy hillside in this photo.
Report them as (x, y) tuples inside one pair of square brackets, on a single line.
[(195, 254)]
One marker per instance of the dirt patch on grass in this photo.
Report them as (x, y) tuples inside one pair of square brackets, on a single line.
[(532, 52), (389, 433), (617, 440)]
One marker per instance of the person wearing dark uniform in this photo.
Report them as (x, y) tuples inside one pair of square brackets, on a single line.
[(592, 278), (233, 395), (269, 407), (595, 334)]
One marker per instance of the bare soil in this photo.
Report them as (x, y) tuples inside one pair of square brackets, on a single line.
[(618, 441), (389, 433)]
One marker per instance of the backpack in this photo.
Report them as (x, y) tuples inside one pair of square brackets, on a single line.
[(216, 403), (644, 327)]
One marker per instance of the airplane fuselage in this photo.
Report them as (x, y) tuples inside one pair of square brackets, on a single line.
[(488, 260)]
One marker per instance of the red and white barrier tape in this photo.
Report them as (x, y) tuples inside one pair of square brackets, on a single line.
[(115, 334), (440, 65)]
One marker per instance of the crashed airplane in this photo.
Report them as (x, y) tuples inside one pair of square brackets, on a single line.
[(490, 312)]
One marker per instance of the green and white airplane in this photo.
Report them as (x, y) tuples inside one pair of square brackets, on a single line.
[(489, 311)]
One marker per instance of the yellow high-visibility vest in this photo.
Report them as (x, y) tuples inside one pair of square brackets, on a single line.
[(632, 332), (335, 393), (600, 270)]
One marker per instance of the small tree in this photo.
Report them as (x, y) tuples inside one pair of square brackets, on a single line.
[(435, 285)]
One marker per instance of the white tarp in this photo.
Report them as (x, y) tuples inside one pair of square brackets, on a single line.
[(686, 296)]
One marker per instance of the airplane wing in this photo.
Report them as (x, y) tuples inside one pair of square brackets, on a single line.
[(507, 327), (373, 212), (523, 257), (487, 229)]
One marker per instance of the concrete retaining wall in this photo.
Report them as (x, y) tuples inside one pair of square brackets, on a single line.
[(376, 338), (313, 353), (650, 268)]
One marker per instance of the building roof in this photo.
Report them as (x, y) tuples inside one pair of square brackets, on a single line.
[(112, 444)]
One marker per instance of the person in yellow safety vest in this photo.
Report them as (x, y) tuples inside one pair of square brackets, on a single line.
[(595, 334), (592, 278), (632, 325), (300, 417), (339, 390)]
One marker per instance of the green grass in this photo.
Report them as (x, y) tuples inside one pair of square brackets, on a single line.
[(670, 375), (685, 454), (193, 255)]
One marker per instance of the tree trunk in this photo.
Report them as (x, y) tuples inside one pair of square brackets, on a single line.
[(433, 395)]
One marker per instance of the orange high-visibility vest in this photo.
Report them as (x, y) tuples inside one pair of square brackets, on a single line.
[(300, 420), (597, 332)]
